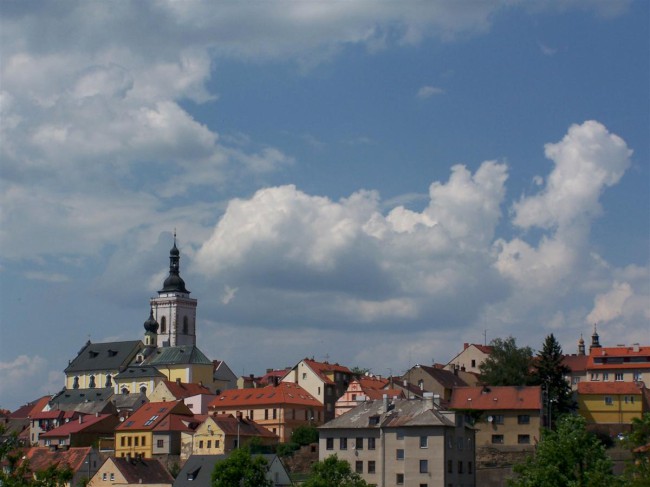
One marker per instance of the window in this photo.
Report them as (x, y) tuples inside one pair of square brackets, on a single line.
[(371, 466), (618, 376), (201, 444), (459, 443), (399, 454), (329, 443), (399, 479), (144, 441), (400, 435), (609, 401), (304, 376), (450, 466), (497, 439), (216, 443), (424, 441), (358, 444), (112, 476), (498, 418), (523, 419), (122, 441), (594, 376), (469, 467), (104, 476), (160, 443), (163, 325), (473, 363), (576, 380), (460, 466), (523, 439), (128, 441), (421, 384), (629, 399), (266, 414), (371, 443), (136, 441), (358, 466), (185, 325), (343, 443), (275, 413), (424, 466), (209, 444), (605, 376), (637, 376)]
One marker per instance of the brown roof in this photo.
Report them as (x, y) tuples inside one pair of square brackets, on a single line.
[(181, 390), (30, 408), (496, 398), (283, 393), (577, 363), (149, 415), (323, 368), (41, 458), (229, 425), (143, 471), (609, 388), (372, 382), (608, 358), (445, 378), (88, 421)]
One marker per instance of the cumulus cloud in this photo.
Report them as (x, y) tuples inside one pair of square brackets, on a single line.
[(429, 91)]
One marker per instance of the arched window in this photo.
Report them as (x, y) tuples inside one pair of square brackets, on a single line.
[(163, 325), (109, 381), (125, 390), (185, 325), (91, 384), (75, 384), (143, 389)]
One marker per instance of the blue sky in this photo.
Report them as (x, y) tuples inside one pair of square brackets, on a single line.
[(370, 182)]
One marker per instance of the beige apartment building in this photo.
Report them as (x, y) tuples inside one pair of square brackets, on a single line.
[(403, 442)]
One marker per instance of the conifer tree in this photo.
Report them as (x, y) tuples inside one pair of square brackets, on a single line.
[(550, 373)]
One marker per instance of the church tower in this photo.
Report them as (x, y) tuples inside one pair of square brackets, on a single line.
[(173, 309)]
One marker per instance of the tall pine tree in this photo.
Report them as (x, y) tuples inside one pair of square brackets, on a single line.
[(550, 373)]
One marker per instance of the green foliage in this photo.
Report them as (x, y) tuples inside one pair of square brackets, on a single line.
[(570, 456), (507, 364), (549, 371), (359, 371), (174, 469), (637, 472), (241, 469), (333, 472), (286, 449), (305, 435)]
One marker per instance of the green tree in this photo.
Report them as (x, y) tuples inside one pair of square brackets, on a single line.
[(241, 469), (333, 472), (570, 456), (305, 435), (507, 364), (637, 471), (550, 372)]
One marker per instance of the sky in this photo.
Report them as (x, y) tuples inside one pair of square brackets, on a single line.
[(370, 183)]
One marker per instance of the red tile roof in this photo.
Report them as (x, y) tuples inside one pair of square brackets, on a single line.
[(606, 358), (593, 387), (372, 383), (181, 390), (149, 415), (577, 363), (74, 426), (55, 414), (496, 398), (283, 393), (40, 458), (31, 408)]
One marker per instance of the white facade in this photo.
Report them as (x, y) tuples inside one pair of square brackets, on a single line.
[(175, 312)]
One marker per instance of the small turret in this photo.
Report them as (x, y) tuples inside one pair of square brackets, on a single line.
[(581, 345), (150, 331), (595, 340)]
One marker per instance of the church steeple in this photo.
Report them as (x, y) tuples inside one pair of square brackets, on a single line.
[(173, 309), (595, 340), (581, 345)]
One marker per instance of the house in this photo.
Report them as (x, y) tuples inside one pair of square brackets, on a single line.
[(86, 430), (97, 363), (132, 472), (471, 358), (434, 379), (270, 378), (324, 381), (87, 401), (363, 388), (167, 390), (505, 417), (83, 462), (409, 442), (185, 363), (222, 377), (280, 409), (618, 364), (18, 422), (577, 365), (199, 403), (154, 429), (223, 433), (197, 471), (44, 421), (612, 403), (141, 379)]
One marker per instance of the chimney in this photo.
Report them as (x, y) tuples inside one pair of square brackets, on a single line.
[(428, 400), (200, 383), (465, 345), (436, 400), (635, 347), (456, 369), (239, 415), (178, 381), (81, 418), (385, 401)]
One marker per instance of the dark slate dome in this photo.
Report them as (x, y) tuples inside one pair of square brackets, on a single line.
[(151, 325), (173, 283)]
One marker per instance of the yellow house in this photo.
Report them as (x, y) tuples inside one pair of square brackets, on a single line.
[(611, 402), (131, 472), (135, 436), (185, 363)]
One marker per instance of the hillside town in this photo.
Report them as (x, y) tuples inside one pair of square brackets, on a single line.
[(157, 410)]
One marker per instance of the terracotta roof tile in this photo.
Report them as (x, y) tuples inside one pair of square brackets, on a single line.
[(184, 389), (41, 458), (496, 398), (609, 388), (149, 415), (609, 358), (322, 368), (74, 426), (283, 393), (143, 471), (577, 363), (30, 408)]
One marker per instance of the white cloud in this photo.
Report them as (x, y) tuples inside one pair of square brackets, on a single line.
[(429, 91), (609, 306)]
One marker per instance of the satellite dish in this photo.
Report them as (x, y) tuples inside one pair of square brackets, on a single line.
[(490, 419)]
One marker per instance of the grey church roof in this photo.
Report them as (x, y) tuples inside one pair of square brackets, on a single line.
[(104, 356), (139, 372), (182, 355)]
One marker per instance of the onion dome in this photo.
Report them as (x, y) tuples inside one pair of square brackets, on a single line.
[(151, 325), (174, 282)]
